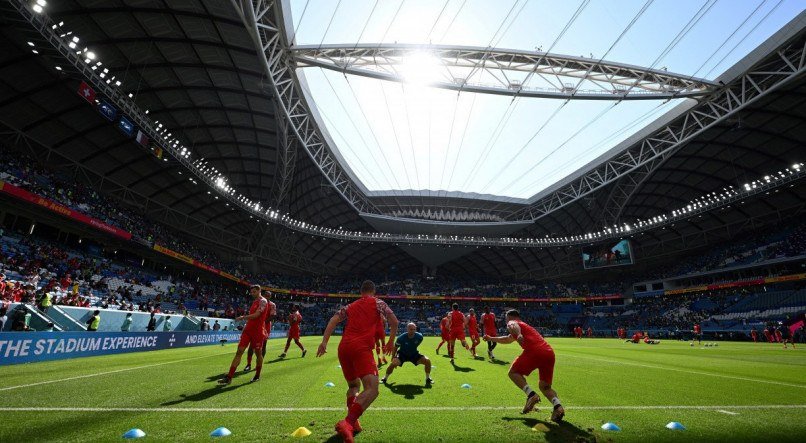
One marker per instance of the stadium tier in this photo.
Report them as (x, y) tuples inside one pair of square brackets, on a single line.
[(377, 221)]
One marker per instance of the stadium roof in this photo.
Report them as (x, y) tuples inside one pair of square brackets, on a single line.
[(194, 67)]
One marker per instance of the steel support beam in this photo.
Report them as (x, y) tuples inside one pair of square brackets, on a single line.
[(502, 71)]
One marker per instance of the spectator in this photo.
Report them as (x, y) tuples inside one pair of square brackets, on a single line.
[(216, 326), (3, 316), (45, 302), (166, 325)]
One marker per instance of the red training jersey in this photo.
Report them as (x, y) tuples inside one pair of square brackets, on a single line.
[(443, 324), (272, 308), (472, 325), (697, 329), (488, 321), (532, 340), (257, 324), (294, 319), (457, 321), (362, 317)]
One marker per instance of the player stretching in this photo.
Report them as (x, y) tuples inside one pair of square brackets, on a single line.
[(473, 331), (443, 330), (269, 317), (294, 319), (355, 353), (407, 344), (488, 322), (253, 334), (537, 354), (380, 341), (456, 324)]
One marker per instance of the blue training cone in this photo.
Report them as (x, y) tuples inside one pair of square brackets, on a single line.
[(134, 433), (466, 386), (220, 432), (610, 426), (330, 384), (675, 426)]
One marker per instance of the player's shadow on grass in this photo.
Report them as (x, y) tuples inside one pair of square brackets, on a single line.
[(408, 391), (205, 394), (461, 368), (496, 361), (556, 432)]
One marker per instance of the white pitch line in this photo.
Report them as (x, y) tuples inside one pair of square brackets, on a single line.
[(97, 374), (687, 371), (727, 412), (390, 408)]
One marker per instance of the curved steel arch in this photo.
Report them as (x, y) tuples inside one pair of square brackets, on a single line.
[(491, 71)]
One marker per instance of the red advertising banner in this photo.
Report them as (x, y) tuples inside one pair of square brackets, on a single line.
[(449, 297), (22, 194)]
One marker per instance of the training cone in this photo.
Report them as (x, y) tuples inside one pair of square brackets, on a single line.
[(675, 426), (338, 366), (610, 426), (134, 433), (330, 384), (220, 432), (301, 432), (466, 386)]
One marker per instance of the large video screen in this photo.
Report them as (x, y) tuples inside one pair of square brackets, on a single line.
[(601, 256)]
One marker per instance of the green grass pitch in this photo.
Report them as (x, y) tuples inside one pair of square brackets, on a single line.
[(733, 392)]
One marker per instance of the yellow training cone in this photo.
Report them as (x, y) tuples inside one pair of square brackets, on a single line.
[(301, 432)]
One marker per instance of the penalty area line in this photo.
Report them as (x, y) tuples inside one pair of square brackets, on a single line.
[(718, 408)]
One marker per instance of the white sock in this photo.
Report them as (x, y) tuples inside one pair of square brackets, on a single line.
[(528, 390), (555, 401)]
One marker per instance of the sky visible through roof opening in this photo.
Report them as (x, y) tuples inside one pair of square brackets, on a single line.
[(408, 137)]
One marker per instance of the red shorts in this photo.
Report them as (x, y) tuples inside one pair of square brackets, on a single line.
[(445, 335), (474, 334), (293, 333), (457, 334), (528, 361), (252, 338), (356, 362), (491, 332)]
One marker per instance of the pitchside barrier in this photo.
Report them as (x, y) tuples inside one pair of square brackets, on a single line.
[(27, 347)]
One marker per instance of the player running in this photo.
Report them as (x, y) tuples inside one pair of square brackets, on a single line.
[(252, 335), (754, 335), (269, 317), (444, 331), (697, 333), (294, 319), (537, 354), (473, 331), (490, 329), (456, 325), (380, 341), (406, 345), (355, 353)]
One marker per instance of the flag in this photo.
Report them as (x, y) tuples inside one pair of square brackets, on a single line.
[(142, 138), (125, 125), (86, 92), (107, 110)]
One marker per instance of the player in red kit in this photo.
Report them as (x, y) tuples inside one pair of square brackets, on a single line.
[(253, 334), (537, 354), (621, 333), (767, 334), (444, 331), (490, 329), (355, 353), (590, 332), (456, 325), (269, 317), (473, 331), (778, 335), (294, 319), (380, 341), (754, 335), (697, 333)]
